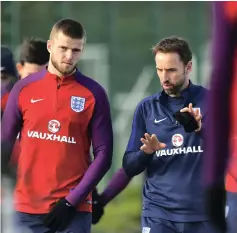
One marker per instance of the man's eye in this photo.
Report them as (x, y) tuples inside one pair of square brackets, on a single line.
[(76, 50)]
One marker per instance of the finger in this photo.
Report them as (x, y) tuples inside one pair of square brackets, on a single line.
[(154, 138), (49, 221), (148, 137), (198, 118), (162, 145), (55, 225), (143, 147), (191, 110), (156, 142), (144, 141), (196, 113), (184, 110), (159, 146), (190, 106), (62, 225)]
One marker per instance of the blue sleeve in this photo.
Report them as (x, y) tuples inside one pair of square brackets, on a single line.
[(135, 160)]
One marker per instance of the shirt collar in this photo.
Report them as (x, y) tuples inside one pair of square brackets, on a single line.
[(63, 80)]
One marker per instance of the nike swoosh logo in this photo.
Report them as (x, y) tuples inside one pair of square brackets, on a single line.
[(34, 101), (158, 121)]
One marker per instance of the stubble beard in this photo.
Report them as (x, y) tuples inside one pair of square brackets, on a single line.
[(177, 88), (64, 72)]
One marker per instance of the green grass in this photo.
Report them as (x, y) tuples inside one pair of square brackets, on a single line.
[(122, 215)]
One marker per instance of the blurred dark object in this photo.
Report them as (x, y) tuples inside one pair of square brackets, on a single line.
[(215, 203), (187, 121), (97, 207), (7, 62)]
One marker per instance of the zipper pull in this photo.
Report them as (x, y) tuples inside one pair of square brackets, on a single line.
[(58, 83)]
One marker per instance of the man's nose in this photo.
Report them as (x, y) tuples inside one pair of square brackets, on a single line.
[(69, 55), (164, 76)]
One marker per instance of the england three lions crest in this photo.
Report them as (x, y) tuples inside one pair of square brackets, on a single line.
[(77, 103)]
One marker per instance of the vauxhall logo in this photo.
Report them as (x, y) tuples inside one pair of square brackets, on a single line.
[(53, 127), (177, 141)]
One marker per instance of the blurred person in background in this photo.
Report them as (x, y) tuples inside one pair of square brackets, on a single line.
[(34, 56), (59, 113), (167, 142), (221, 135), (8, 78), (8, 75)]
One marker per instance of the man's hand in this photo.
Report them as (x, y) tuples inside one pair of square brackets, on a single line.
[(196, 115), (151, 144), (60, 216), (97, 207)]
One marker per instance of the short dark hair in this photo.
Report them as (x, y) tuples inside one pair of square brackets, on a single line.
[(34, 51), (176, 45), (70, 28)]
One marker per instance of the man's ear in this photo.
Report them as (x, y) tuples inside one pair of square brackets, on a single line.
[(49, 45), (189, 67), (19, 67)]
